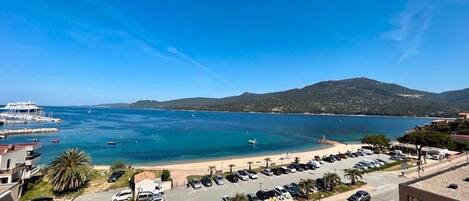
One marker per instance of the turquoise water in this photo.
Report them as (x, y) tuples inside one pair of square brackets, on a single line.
[(162, 136)]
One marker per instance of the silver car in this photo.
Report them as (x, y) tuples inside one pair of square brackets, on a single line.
[(219, 180)]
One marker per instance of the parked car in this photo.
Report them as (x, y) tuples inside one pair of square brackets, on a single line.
[(367, 152), (219, 180), (298, 167), (304, 166), (291, 168), (292, 190), (123, 195), (252, 197), (206, 181), (277, 171), (342, 156), (266, 195), (147, 196), (283, 192), (360, 196), (232, 178), (252, 174), (115, 175), (286, 170), (336, 157), (309, 166), (361, 166), (379, 162), (328, 159), (267, 172), (243, 175), (297, 188), (225, 198), (350, 154), (359, 153), (195, 183), (316, 164), (398, 157), (158, 198), (383, 161)]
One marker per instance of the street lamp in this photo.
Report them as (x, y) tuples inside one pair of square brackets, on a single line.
[(260, 185)]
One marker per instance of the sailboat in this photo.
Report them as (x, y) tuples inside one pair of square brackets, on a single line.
[(253, 141)]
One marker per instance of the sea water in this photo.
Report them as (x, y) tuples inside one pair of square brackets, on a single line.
[(149, 136)]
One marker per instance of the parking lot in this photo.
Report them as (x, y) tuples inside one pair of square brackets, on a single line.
[(216, 192)]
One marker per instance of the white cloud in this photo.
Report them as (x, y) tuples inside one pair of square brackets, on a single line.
[(410, 27)]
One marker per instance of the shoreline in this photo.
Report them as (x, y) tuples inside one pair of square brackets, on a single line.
[(269, 113), (180, 170)]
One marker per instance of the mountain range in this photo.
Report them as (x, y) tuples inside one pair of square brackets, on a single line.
[(361, 96)]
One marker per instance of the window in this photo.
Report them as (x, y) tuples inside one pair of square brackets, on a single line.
[(8, 164), (4, 180)]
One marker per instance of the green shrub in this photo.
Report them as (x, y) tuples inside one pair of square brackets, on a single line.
[(165, 176)]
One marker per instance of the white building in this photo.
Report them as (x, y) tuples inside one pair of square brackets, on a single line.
[(17, 163)]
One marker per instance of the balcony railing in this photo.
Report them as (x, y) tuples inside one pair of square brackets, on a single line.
[(32, 155), (18, 167)]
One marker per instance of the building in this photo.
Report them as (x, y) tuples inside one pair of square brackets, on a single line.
[(463, 116), (144, 181), (18, 162), (436, 186)]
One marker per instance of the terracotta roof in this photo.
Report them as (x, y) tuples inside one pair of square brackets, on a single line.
[(6, 148), (144, 175)]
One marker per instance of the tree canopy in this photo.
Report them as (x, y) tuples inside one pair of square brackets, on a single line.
[(378, 141), (425, 138), (69, 170)]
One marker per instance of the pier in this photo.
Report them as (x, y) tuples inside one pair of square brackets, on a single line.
[(24, 131)]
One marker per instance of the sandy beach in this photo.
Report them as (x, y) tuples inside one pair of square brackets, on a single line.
[(180, 171)]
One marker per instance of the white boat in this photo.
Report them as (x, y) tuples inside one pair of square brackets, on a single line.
[(22, 108), (89, 111), (253, 141)]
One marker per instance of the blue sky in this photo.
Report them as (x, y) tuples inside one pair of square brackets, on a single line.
[(88, 52)]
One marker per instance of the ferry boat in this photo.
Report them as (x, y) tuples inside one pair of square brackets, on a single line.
[(23, 108)]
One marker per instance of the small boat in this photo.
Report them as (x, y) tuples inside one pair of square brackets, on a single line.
[(253, 141), (35, 140), (3, 137), (54, 141), (111, 143), (89, 111)]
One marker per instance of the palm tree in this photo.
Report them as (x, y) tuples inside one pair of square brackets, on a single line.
[(267, 160), (239, 197), (231, 167), (211, 169), (118, 165), (307, 186), (250, 164), (331, 180), (297, 160), (69, 170), (353, 174)]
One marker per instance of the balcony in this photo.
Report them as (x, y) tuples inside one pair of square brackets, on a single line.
[(32, 155), (19, 167)]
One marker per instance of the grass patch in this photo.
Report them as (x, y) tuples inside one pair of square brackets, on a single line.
[(36, 189), (124, 180), (338, 189)]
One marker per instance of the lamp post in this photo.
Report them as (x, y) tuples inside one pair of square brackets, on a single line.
[(260, 185)]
